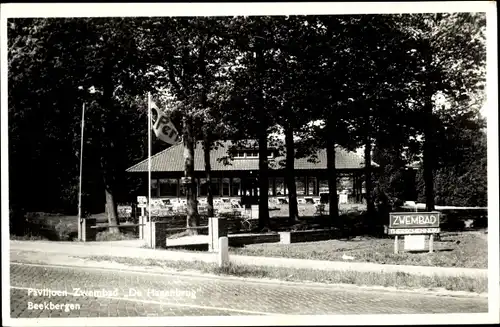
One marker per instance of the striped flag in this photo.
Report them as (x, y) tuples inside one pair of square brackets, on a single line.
[(163, 127)]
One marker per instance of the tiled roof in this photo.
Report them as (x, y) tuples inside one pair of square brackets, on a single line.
[(172, 160)]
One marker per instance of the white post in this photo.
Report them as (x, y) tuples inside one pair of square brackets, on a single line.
[(81, 170), (149, 172), (142, 221), (396, 244), (223, 254), (431, 243)]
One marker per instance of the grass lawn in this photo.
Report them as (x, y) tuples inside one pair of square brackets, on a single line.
[(463, 249), (397, 280)]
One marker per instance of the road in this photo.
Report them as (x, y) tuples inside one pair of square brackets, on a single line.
[(141, 294)]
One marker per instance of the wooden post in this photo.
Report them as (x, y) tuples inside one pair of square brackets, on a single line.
[(431, 243), (395, 244)]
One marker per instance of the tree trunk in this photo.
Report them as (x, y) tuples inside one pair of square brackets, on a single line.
[(207, 144), (428, 156), (207, 135), (370, 207), (108, 147), (111, 211), (332, 173), (290, 175), (262, 138), (193, 219), (429, 146), (110, 206), (263, 181)]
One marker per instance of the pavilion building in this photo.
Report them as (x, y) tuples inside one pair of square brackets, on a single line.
[(237, 176)]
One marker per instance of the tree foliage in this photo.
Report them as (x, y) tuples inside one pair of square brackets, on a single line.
[(410, 85)]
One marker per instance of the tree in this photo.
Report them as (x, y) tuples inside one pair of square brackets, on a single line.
[(449, 59), (461, 175), (87, 60), (178, 47), (193, 56), (376, 79), (215, 61), (294, 57), (332, 79), (253, 111)]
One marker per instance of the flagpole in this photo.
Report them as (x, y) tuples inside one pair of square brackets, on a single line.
[(81, 170), (149, 172)]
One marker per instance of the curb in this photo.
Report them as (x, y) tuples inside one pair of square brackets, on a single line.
[(170, 255)]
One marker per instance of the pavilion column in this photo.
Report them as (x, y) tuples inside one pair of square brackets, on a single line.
[(178, 187), (353, 177)]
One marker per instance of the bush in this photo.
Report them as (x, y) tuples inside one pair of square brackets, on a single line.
[(64, 231), (111, 236), (17, 221)]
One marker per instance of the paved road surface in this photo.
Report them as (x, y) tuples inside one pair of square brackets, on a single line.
[(178, 295)]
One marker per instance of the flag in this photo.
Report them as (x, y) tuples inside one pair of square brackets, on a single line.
[(163, 127)]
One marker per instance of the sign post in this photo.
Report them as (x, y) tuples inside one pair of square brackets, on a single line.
[(413, 225), (142, 203)]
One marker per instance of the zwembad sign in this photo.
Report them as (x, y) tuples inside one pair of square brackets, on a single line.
[(408, 220), (414, 226)]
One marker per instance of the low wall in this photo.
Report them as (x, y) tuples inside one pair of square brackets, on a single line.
[(308, 236), (243, 239)]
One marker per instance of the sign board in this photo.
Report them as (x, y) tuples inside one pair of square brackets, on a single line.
[(255, 211), (342, 198), (142, 201), (408, 220), (186, 180), (414, 242), (414, 225), (410, 231)]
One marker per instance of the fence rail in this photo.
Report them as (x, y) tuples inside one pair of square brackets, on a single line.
[(126, 225), (137, 225), (184, 228)]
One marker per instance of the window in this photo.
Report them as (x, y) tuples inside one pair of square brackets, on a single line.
[(280, 186), (154, 187), (300, 184), (236, 187), (311, 186), (168, 187), (203, 187), (346, 183), (270, 187), (215, 186), (253, 154), (323, 186), (225, 186), (183, 188)]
